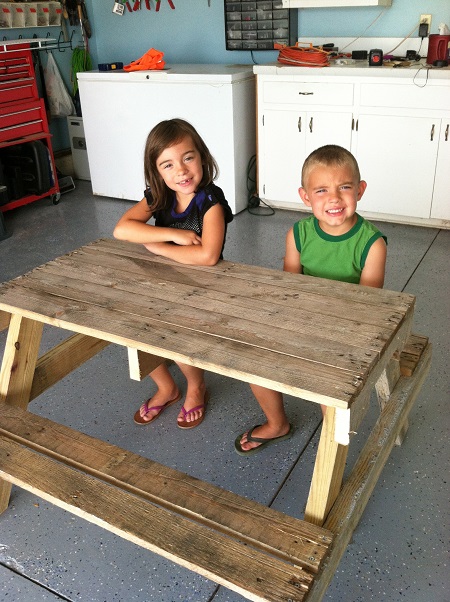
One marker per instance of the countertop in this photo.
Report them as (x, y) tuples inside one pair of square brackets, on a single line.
[(176, 73), (417, 71)]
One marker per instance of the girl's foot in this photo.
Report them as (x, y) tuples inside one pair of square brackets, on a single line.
[(192, 412), (153, 407)]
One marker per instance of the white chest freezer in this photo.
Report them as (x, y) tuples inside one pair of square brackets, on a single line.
[(120, 108)]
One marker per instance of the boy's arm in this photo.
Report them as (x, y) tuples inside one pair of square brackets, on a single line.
[(292, 261), (373, 271)]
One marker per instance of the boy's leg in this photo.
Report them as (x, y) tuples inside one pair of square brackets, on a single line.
[(277, 424), (195, 394), (167, 391)]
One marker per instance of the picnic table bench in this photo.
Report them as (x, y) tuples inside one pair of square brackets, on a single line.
[(332, 343)]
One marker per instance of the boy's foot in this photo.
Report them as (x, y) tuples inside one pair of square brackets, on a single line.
[(148, 413), (248, 443), (187, 419)]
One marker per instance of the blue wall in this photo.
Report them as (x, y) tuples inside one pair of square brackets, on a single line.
[(194, 33)]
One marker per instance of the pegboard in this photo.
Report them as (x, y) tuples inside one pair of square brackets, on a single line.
[(251, 25)]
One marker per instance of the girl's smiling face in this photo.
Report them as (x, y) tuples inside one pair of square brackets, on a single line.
[(180, 167), (332, 192)]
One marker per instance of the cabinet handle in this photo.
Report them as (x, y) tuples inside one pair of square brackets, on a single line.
[(446, 133), (299, 124), (353, 123), (311, 125), (432, 133), (306, 93)]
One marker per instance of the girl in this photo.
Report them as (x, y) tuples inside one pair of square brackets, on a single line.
[(191, 215)]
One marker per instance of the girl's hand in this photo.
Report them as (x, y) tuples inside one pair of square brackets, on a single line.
[(185, 237)]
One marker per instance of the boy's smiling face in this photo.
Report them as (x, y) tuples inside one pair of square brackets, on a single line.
[(332, 192)]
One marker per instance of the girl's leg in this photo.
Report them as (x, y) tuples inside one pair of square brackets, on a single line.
[(195, 394), (277, 424), (167, 391)]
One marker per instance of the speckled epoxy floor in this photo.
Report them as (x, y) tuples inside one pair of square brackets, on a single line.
[(399, 551)]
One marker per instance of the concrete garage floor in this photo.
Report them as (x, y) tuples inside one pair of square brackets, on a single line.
[(399, 551)]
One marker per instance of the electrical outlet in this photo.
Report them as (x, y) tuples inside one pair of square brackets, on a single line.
[(426, 19)]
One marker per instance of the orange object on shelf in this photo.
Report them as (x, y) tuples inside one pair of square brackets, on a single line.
[(152, 59), (311, 56)]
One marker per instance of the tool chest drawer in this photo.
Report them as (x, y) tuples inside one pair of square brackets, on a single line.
[(23, 119), (17, 80)]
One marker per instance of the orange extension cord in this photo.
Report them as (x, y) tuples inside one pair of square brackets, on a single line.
[(303, 57)]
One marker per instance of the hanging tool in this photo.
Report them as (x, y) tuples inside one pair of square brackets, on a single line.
[(148, 6), (137, 5), (84, 21)]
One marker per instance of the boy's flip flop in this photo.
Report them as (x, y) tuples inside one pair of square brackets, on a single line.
[(138, 419), (264, 442), (184, 424)]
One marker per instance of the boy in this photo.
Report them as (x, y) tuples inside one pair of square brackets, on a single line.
[(335, 243)]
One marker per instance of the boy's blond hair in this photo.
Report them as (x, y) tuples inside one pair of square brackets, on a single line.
[(328, 156)]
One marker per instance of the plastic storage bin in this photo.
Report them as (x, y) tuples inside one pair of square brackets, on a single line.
[(30, 9), (18, 15), (43, 14), (55, 13), (5, 15)]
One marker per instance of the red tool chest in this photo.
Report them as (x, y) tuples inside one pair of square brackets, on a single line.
[(23, 124)]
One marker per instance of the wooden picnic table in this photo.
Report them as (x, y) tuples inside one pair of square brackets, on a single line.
[(322, 341)]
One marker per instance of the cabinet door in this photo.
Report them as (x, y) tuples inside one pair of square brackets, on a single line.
[(397, 158), (281, 153), (286, 139), (328, 128), (440, 208)]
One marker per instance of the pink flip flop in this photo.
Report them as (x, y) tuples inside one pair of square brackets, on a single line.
[(138, 419), (184, 424)]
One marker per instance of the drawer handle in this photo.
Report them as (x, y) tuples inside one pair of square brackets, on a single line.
[(18, 113), (299, 124), (432, 133), (446, 133), (20, 125), (306, 93), (311, 125)]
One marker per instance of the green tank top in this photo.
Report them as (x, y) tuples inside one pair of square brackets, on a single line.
[(334, 257)]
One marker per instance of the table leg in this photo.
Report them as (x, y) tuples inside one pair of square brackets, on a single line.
[(328, 472), (17, 372), (384, 388)]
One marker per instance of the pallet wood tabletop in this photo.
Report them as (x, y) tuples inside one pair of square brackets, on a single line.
[(240, 321)]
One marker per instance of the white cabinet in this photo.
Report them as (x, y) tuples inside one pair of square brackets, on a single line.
[(120, 108), (440, 208), (387, 150), (396, 125), (288, 131)]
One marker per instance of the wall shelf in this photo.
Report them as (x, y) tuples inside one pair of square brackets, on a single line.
[(333, 3)]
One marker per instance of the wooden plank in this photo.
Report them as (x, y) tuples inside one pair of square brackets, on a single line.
[(19, 360), (291, 290), (141, 364), (350, 505), (259, 526), (411, 353), (226, 269), (244, 362), (312, 348), (4, 320), (328, 472), (62, 360), (252, 573), (16, 373), (252, 303)]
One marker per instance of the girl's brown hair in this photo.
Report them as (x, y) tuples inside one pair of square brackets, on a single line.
[(329, 155), (162, 136)]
